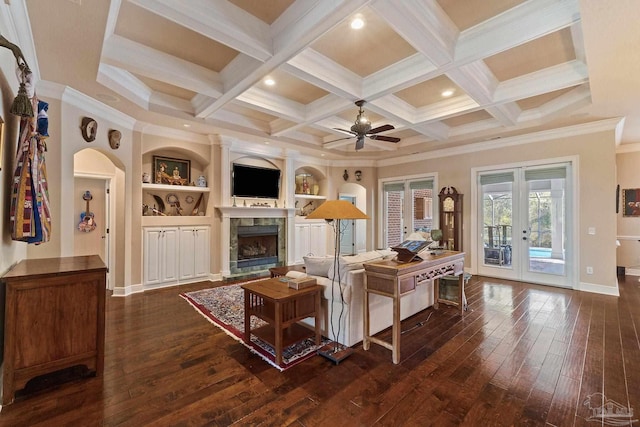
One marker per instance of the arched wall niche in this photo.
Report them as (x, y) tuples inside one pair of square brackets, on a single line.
[(313, 170), (256, 161)]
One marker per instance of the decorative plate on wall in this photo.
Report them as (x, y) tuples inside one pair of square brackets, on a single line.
[(172, 198), (189, 199)]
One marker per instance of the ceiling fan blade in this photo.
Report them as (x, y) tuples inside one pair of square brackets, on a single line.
[(385, 138), (360, 143), (381, 129), (340, 139), (347, 131)]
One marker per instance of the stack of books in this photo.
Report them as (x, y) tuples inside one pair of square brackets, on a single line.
[(301, 283)]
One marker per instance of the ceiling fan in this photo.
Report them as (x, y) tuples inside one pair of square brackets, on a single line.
[(362, 128)]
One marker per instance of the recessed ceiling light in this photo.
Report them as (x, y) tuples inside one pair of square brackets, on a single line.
[(187, 125), (266, 143), (447, 93), (269, 81), (357, 23)]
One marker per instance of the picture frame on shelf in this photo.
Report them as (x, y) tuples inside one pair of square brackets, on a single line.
[(167, 170), (631, 202)]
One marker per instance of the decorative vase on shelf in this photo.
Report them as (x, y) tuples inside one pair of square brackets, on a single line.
[(202, 181), (316, 189), (146, 178)]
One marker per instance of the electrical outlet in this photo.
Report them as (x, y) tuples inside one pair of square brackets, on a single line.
[(589, 270)]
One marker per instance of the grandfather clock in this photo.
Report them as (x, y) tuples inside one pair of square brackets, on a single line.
[(451, 218)]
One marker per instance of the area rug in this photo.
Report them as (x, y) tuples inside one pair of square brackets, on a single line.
[(224, 307)]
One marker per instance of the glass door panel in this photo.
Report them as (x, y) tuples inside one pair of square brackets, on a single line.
[(408, 207), (545, 257), (523, 234), (393, 199), (497, 214)]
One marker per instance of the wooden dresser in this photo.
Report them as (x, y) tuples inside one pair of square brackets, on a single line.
[(54, 318)]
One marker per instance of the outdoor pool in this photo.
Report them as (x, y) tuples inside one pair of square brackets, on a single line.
[(539, 253)]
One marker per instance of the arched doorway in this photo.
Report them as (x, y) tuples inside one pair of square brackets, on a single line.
[(98, 184)]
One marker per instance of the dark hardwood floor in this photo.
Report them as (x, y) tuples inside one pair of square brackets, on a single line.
[(522, 355)]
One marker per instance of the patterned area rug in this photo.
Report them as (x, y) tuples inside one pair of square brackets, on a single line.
[(224, 307)]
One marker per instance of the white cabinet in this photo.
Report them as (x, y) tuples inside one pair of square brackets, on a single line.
[(310, 239), (194, 252), (160, 255), (174, 255)]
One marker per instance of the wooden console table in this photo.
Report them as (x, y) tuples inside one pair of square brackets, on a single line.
[(281, 307), (393, 279), (54, 318)]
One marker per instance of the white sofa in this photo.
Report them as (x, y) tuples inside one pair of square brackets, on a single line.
[(347, 313)]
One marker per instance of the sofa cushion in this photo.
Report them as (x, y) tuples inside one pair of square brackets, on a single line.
[(387, 253), (318, 265), (352, 262), (332, 290)]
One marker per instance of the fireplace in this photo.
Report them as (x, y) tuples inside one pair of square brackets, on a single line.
[(257, 245)]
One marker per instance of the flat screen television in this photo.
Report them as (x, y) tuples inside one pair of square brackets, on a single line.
[(254, 181)]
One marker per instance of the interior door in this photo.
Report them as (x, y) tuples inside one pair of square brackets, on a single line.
[(407, 207), (92, 242), (523, 214)]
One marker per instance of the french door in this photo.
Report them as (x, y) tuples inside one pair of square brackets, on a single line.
[(407, 207), (523, 215)]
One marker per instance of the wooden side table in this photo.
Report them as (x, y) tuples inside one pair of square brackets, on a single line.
[(282, 271), (393, 279), (281, 307)]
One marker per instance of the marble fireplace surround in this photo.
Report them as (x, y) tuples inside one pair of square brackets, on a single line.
[(232, 217)]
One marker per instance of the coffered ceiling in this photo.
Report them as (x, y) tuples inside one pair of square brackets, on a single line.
[(512, 66)]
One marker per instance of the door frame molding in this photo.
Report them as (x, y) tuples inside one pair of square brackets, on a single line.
[(381, 226), (574, 199), (109, 183)]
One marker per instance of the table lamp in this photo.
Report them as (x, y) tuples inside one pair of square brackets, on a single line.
[(336, 210)]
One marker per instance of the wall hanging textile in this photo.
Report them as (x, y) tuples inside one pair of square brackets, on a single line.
[(30, 214)]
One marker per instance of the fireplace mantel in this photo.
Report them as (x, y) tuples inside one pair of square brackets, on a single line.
[(229, 212), (255, 212)]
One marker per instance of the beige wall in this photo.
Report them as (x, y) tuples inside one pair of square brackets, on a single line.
[(369, 182), (628, 172), (596, 184)]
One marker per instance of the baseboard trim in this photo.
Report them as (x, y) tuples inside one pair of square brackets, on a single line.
[(127, 290), (140, 288), (600, 289), (632, 271)]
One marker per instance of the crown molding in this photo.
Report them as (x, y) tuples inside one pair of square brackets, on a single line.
[(84, 102), (165, 132), (628, 148), (581, 129), (16, 26)]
